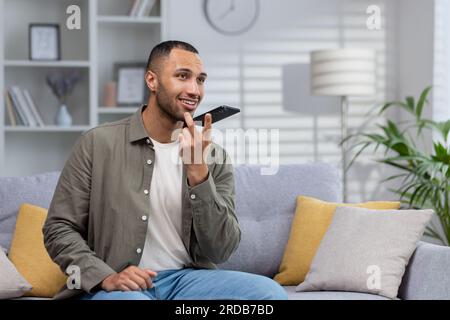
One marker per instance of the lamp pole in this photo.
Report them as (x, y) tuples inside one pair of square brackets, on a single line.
[(344, 113)]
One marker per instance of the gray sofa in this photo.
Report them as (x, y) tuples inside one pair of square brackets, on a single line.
[(265, 206)]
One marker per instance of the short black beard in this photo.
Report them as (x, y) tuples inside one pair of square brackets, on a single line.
[(163, 104)]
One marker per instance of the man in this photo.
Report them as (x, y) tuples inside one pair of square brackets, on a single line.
[(141, 223)]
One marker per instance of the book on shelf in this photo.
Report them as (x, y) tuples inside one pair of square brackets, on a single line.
[(141, 8), (134, 8), (26, 111), (24, 105), (34, 110), (22, 121), (17, 115), (10, 110)]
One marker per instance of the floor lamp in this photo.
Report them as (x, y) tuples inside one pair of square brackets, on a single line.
[(344, 73)]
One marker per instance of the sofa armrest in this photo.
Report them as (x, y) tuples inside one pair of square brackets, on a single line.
[(427, 274)]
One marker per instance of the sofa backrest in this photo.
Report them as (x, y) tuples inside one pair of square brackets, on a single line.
[(265, 206), (37, 189)]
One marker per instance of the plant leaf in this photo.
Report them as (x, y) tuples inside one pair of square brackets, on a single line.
[(410, 104), (422, 100)]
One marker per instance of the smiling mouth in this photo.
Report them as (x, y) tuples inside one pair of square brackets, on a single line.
[(189, 103)]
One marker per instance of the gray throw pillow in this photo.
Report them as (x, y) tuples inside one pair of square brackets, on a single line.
[(12, 284), (14, 191), (366, 250)]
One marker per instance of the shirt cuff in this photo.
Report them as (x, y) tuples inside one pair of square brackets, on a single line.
[(203, 192), (91, 280)]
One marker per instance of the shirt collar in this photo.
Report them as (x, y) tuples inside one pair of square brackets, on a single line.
[(137, 128)]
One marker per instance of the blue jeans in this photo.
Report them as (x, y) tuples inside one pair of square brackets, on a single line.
[(201, 284)]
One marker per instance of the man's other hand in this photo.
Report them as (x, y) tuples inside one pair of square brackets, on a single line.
[(130, 279)]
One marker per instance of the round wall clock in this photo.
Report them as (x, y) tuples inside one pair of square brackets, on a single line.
[(231, 17)]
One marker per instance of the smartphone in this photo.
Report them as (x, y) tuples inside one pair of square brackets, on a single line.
[(217, 114)]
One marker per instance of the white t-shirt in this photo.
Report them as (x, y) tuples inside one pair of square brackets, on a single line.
[(164, 248)]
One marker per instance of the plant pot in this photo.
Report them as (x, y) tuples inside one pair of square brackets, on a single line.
[(63, 117)]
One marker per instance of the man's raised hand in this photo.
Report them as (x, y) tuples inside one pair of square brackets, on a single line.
[(193, 148)]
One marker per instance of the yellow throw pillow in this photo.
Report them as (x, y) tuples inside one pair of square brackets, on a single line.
[(29, 256), (311, 221)]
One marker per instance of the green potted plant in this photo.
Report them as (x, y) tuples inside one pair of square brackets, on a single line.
[(425, 175)]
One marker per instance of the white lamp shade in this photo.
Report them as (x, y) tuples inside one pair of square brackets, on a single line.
[(343, 72)]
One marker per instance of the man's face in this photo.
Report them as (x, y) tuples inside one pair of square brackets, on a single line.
[(180, 84)]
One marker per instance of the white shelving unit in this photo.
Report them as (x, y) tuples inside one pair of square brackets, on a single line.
[(107, 36), (117, 110), (57, 64), (121, 19), (46, 129)]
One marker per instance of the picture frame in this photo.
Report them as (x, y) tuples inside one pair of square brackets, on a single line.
[(132, 89), (44, 41)]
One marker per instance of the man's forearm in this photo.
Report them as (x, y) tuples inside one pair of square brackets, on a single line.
[(66, 247), (214, 221)]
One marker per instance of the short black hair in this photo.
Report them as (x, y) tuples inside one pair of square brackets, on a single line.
[(163, 50)]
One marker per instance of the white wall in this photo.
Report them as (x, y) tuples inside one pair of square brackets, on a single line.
[(441, 70), (415, 49), (423, 59)]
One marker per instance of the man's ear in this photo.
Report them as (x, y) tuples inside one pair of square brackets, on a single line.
[(150, 79)]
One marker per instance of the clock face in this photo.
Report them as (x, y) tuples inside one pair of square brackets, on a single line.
[(231, 17)]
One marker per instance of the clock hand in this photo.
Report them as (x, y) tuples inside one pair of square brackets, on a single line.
[(223, 15), (230, 9)]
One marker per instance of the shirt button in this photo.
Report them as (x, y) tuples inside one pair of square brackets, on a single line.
[(138, 250), (148, 141), (144, 218), (192, 196), (146, 191), (149, 161)]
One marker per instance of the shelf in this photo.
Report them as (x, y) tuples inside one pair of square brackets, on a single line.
[(107, 33), (128, 19), (60, 63), (117, 110), (46, 129)]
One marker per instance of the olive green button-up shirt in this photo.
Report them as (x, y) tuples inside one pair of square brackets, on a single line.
[(95, 220)]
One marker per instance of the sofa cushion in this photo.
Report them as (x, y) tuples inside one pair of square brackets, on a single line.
[(265, 205), (366, 250), (36, 189), (426, 277), (330, 295), (12, 283), (30, 256)]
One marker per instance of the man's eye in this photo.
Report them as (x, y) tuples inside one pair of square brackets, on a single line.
[(201, 80), (183, 76)]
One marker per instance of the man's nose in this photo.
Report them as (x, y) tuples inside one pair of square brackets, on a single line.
[(193, 88)]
